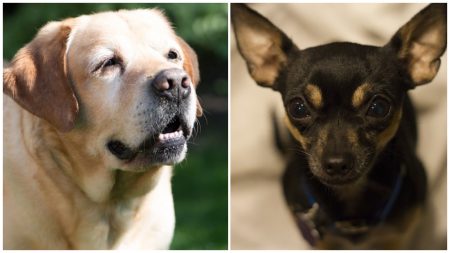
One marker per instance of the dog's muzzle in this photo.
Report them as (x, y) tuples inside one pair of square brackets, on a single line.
[(172, 126)]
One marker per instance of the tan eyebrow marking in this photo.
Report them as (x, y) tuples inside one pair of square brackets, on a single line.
[(314, 95), (358, 95)]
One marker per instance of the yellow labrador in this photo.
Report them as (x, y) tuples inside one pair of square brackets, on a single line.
[(97, 109)]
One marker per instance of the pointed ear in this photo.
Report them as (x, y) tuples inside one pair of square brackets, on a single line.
[(263, 46), (191, 67), (421, 42), (37, 77)]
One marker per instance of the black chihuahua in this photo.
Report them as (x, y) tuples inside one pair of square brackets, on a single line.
[(357, 182)]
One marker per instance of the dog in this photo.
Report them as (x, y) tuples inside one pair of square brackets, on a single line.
[(353, 180), (97, 109)]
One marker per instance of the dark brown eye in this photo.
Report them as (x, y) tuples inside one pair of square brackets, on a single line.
[(110, 62), (107, 64), (379, 107), (298, 109), (172, 55)]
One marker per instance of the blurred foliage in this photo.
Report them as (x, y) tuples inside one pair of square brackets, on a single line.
[(200, 184), (202, 202)]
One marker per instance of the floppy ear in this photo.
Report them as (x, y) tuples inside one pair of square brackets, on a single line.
[(263, 46), (37, 77), (191, 67), (421, 42)]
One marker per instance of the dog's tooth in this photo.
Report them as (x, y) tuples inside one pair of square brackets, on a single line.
[(173, 135)]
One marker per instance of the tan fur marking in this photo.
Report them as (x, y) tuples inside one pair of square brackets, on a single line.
[(352, 137), (294, 131), (314, 95), (384, 137), (358, 95), (321, 139)]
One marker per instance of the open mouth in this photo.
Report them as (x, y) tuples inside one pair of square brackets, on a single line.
[(172, 131), (164, 147)]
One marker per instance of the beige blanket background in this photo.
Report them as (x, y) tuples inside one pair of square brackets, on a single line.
[(259, 216)]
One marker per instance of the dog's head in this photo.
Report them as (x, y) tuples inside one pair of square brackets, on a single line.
[(343, 100), (120, 85)]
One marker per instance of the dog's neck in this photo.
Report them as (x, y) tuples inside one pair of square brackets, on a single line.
[(350, 193), (129, 185), (111, 199), (86, 172)]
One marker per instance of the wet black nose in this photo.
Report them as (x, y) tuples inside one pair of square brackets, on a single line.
[(337, 165), (173, 84)]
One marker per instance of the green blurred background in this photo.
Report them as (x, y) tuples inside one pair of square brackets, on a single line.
[(200, 183)]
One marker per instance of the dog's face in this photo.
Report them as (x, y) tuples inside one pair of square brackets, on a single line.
[(343, 109), (121, 84), (343, 101)]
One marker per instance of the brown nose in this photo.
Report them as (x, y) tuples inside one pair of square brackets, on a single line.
[(173, 84)]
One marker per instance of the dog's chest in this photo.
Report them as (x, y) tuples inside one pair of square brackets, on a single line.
[(100, 227), (145, 222)]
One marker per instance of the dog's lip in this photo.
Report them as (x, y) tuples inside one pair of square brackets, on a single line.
[(339, 180), (176, 132)]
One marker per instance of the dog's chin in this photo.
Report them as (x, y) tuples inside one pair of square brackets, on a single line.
[(167, 147), (167, 152), (338, 180)]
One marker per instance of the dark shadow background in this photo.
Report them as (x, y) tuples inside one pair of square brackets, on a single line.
[(200, 183)]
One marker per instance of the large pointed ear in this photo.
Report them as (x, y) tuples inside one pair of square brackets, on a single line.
[(37, 77), (263, 46), (191, 67), (421, 42)]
